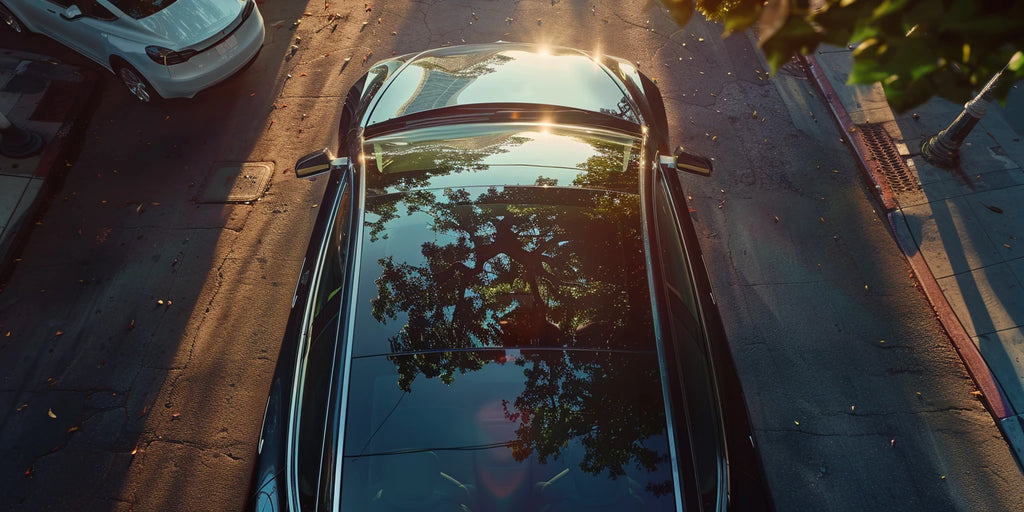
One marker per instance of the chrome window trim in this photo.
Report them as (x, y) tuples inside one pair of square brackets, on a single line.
[(646, 203), (354, 265), (723, 460), (291, 473)]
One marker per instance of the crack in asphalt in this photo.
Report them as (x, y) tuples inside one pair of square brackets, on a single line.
[(209, 304)]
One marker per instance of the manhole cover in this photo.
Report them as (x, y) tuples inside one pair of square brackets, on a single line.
[(236, 182), (888, 157)]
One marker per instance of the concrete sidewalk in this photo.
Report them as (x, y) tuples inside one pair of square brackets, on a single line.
[(40, 95), (962, 230)]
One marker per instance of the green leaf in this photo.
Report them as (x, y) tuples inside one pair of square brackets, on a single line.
[(795, 36), (774, 17), (839, 22), (887, 8), (742, 16), (1016, 62)]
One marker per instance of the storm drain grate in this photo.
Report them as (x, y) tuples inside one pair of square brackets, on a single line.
[(888, 157)]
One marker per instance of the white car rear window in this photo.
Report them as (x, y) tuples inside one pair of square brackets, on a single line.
[(139, 9)]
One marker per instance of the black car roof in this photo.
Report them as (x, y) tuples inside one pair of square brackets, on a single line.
[(504, 338)]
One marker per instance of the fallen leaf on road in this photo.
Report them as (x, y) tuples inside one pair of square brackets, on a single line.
[(135, 450), (994, 208), (145, 409), (22, 407), (72, 429), (49, 412), (58, 333)]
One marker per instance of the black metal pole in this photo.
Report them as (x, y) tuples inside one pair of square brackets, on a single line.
[(943, 150)]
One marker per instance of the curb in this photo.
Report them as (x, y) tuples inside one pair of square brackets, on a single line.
[(992, 395), (50, 169)]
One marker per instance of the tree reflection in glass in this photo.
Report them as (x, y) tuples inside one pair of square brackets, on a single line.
[(558, 274)]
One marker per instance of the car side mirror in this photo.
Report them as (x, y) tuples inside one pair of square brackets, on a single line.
[(692, 163), (318, 162), (71, 13)]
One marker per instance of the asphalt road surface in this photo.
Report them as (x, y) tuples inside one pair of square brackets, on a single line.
[(857, 398)]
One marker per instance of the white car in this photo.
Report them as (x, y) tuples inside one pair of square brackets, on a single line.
[(158, 48)]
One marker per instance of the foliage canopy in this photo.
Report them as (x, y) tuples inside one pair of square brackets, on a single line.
[(915, 48)]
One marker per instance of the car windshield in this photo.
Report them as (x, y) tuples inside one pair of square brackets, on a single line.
[(139, 9), (469, 76), (504, 355)]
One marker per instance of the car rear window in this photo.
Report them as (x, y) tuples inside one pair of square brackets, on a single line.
[(139, 9)]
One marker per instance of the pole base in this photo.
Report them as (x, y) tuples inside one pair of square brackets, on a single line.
[(939, 154), (19, 143)]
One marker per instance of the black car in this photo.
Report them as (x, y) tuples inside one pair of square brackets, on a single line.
[(504, 305)]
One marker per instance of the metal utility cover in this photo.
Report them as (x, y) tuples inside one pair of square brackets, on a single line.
[(230, 182)]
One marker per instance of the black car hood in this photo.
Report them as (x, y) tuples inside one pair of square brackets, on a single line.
[(502, 72)]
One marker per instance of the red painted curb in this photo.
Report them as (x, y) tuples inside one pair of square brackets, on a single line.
[(873, 171), (992, 394)]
